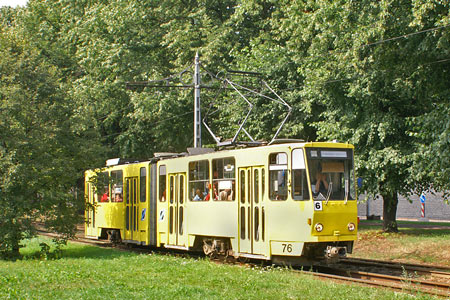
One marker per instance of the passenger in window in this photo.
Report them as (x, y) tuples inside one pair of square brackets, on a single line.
[(223, 195), (215, 194), (119, 198), (118, 195), (105, 196), (207, 197), (198, 195), (229, 194)]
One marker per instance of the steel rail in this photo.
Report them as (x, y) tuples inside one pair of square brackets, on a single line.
[(388, 281)]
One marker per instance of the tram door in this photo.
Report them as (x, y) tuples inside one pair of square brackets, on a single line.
[(177, 199), (131, 209), (90, 211), (251, 210)]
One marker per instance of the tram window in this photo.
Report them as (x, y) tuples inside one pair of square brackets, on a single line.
[(171, 219), (162, 183), (300, 189), (263, 183), (180, 229), (256, 185), (224, 179), (117, 186), (143, 184), (278, 176), (243, 223), (103, 187), (199, 180), (242, 180), (263, 220), (181, 189), (171, 188), (256, 233)]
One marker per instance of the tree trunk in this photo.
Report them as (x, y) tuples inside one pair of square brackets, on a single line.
[(390, 202)]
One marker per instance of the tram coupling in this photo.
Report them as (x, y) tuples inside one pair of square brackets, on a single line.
[(333, 252)]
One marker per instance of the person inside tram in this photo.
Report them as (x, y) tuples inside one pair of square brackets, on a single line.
[(118, 194), (105, 196), (321, 182), (119, 197), (198, 195)]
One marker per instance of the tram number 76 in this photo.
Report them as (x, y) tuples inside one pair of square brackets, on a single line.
[(287, 248)]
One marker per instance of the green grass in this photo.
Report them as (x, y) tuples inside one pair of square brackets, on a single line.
[(86, 272)]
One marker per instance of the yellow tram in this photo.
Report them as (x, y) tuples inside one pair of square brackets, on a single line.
[(291, 202)]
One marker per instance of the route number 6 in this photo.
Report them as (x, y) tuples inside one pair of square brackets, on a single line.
[(318, 205)]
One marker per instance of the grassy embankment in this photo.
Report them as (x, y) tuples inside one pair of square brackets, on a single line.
[(416, 242), (86, 272)]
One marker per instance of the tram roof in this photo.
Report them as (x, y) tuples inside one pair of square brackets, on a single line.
[(202, 151)]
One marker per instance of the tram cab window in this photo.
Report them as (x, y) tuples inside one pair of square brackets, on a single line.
[(162, 183), (278, 189), (331, 174), (300, 189), (199, 180), (117, 186), (223, 187)]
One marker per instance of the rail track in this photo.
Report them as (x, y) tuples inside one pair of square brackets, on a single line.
[(422, 271), (405, 277)]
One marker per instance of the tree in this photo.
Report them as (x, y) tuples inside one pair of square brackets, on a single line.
[(368, 71), (45, 142)]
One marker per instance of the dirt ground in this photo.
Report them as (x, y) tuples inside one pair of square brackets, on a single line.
[(414, 243)]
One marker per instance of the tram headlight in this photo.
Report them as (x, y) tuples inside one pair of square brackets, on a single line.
[(351, 226), (318, 227)]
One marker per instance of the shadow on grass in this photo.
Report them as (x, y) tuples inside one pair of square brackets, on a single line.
[(33, 250), (94, 252)]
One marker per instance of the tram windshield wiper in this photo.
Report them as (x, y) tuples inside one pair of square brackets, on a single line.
[(330, 188)]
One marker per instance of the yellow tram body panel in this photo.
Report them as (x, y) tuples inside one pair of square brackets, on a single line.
[(258, 202), (109, 202)]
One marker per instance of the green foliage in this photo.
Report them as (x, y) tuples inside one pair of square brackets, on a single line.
[(43, 136), (367, 87)]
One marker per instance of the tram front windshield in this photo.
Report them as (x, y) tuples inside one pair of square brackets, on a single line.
[(331, 174)]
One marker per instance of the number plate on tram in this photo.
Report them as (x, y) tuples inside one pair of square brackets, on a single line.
[(286, 248)]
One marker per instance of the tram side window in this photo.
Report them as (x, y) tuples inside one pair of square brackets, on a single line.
[(224, 179), (117, 186), (162, 183), (299, 182), (278, 176), (103, 187), (143, 184), (199, 180)]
